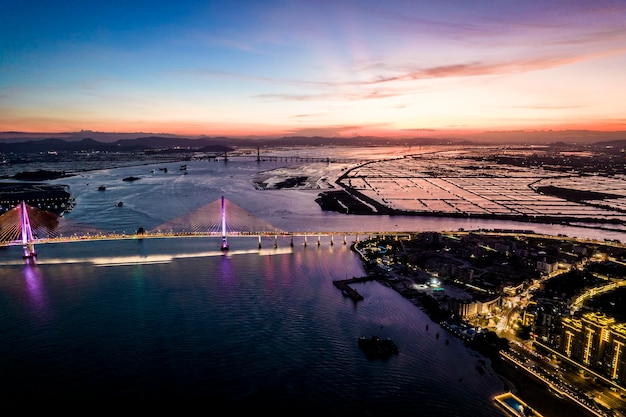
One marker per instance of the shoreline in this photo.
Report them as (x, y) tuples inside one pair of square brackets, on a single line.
[(349, 201), (533, 391)]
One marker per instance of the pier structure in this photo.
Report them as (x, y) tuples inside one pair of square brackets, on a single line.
[(347, 290)]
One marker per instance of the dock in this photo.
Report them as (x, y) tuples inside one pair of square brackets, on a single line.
[(346, 289)]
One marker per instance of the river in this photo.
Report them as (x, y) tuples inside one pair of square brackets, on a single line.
[(179, 320)]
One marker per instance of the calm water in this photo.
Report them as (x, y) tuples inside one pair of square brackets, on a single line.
[(178, 319), (160, 198), (163, 319)]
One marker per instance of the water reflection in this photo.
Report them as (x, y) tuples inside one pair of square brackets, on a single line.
[(34, 285)]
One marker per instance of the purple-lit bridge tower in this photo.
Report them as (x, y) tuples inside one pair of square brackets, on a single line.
[(224, 241), (27, 233)]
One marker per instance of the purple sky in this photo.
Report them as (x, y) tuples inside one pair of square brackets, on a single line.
[(333, 68)]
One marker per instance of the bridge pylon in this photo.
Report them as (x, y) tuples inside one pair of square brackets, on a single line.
[(224, 241), (27, 233)]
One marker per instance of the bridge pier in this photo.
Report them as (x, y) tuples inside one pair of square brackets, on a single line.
[(318, 240), (259, 241), (291, 243), (304, 240), (275, 241), (29, 251), (331, 240)]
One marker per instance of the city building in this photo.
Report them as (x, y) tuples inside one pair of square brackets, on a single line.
[(469, 309), (596, 341), (547, 267)]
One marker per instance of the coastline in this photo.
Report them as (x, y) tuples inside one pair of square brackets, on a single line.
[(350, 201), (534, 392), (526, 386)]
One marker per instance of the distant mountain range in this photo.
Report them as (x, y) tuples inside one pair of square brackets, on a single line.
[(122, 145), (215, 144), (15, 142)]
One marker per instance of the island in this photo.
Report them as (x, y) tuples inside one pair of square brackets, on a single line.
[(377, 348)]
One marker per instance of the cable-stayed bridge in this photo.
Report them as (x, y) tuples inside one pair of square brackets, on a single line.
[(27, 226)]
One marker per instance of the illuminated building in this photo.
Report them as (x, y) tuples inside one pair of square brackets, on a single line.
[(596, 341), (615, 354)]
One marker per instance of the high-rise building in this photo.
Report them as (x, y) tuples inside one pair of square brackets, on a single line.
[(615, 354), (596, 341), (571, 338)]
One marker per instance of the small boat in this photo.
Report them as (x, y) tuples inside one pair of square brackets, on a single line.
[(102, 188), (131, 178), (120, 204)]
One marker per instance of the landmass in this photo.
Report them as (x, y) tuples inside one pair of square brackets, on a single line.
[(482, 183), (40, 175), (377, 348), (510, 296), (54, 198)]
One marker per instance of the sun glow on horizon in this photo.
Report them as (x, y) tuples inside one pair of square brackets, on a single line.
[(314, 69)]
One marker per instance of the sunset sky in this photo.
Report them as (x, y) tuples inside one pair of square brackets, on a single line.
[(330, 68)]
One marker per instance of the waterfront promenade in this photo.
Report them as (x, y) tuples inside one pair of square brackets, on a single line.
[(535, 392)]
